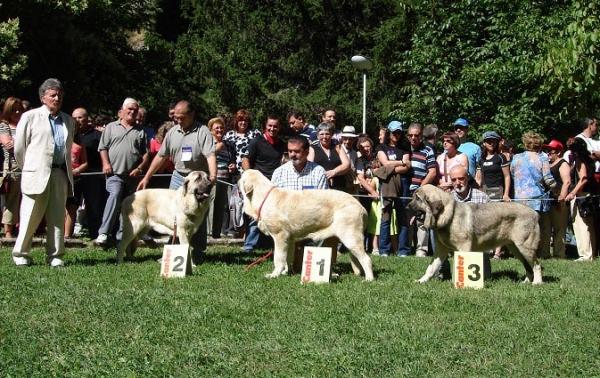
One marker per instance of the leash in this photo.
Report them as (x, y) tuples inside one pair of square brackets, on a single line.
[(174, 231), (262, 203), (259, 260)]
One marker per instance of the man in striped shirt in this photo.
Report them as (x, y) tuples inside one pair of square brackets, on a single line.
[(424, 170)]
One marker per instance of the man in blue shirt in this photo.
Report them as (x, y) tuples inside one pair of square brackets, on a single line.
[(472, 150)]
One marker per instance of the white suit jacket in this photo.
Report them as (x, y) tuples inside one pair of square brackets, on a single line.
[(34, 148)]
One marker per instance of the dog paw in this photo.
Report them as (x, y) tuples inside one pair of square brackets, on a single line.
[(271, 275)]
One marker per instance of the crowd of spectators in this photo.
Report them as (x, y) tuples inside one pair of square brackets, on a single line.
[(110, 156)]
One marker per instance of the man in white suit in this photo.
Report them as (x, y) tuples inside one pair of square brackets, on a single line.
[(43, 151)]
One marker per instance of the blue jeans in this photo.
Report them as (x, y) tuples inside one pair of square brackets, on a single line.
[(403, 235), (199, 239), (252, 236)]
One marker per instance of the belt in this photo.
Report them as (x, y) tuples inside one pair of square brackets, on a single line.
[(60, 166)]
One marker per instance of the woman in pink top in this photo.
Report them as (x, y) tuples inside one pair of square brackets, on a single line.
[(448, 159)]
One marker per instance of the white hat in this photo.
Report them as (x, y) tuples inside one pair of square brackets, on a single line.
[(349, 132)]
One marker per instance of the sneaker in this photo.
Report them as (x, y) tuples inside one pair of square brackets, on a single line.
[(55, 262), (102, 239), (77, 229), (231, 235), (581, 259), (383, 255), (22, 261), (375, 252), (421, 254)]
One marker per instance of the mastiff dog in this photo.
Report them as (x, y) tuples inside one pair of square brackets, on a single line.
[(294, 215), (162, 210), (459, 226)]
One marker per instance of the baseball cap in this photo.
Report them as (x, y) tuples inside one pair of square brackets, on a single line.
[(491, 135), (554, 145), (395, 126), (461, 122)]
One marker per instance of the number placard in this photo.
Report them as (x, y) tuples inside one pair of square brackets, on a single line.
[(176, 261), (316, 265), (468, 270)]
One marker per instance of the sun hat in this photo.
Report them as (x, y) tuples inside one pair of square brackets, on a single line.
[(395, 126), (461, 122), (349, 132), (491, 135), (554, 145)]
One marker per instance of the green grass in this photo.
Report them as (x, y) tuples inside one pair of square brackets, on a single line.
[(93, 319)]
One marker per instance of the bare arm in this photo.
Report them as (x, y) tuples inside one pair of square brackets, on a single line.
[(156, 164)]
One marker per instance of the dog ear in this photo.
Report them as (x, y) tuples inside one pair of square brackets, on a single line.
[(437, 206)]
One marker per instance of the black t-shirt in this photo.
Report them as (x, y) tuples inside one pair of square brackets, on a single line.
[(91, 140), (491, 168), (264, 156)]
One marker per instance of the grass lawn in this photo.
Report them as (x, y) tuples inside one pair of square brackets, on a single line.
[(93, 319)]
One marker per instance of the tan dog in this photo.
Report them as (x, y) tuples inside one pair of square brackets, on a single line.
[(462, 226), (159, 209), (293, 215)]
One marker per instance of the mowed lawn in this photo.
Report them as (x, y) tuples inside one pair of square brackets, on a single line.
[(93, 318)]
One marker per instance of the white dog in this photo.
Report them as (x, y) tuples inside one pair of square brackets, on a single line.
[(294, 215), (162, 209)]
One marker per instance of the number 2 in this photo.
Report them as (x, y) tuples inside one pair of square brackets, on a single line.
[(179, 260)]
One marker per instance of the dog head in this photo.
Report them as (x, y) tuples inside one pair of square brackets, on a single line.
[(253, 186), (197, 184), (432, 206)]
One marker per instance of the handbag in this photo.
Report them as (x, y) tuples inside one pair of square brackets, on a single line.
[(585, 206), (494, 192), (5, 184), (5, 181)]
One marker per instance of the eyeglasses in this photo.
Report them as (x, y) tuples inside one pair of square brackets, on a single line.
[(413, 135), (461, 128), (489, 141)]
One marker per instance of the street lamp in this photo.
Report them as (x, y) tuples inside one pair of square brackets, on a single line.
[(363, 64)]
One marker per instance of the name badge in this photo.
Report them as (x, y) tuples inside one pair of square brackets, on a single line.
[(305, 187), (186, 153)]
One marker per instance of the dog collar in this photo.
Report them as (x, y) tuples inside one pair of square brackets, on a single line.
[(262, 203)]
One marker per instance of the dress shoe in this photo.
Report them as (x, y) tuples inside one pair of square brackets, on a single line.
[(22, 261), (55, 262)]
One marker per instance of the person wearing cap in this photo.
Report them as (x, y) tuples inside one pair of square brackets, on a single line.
[(393, 154), (349, 138), (493, 169), (493, 172), (472, 150), (559, 212)]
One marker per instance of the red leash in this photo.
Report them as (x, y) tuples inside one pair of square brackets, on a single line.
[(258, 261), (262, 203)]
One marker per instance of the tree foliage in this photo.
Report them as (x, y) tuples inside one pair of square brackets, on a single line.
[(508, 65)]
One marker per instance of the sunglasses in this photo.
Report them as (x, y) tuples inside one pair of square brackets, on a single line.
[(413, 135)]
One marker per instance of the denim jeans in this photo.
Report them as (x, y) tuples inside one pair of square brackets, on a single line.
[(252, 236), (404, 238)]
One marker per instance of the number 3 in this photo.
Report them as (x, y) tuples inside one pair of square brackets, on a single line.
[(476, 276)]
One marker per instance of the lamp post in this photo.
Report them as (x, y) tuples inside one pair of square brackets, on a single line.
[(363, 64)]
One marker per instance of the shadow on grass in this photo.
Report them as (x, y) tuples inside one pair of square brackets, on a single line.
[(518, 276)]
